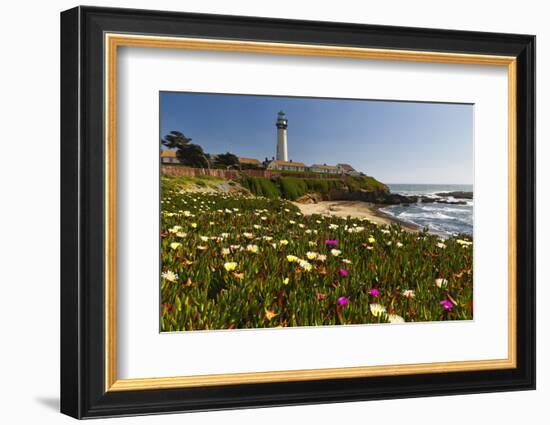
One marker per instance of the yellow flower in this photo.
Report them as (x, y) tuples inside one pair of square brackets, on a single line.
[(335, 252), (283, 242), (194, 225), (230, 266), (311, 255), (286, 280), (252, 248), (270, 314), (292, 258), (371, 239), (398, 244), (175, 245)]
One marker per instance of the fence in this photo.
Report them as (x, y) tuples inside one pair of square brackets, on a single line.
[(179, 170)]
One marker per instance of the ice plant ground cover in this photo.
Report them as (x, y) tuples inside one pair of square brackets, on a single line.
[(234, 261)]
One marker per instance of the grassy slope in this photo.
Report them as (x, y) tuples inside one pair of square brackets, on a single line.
[(293, 187)]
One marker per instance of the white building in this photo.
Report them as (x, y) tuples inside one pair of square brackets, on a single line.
[(282, 124)]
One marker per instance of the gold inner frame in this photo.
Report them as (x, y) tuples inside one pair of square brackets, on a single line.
[(113, 41)]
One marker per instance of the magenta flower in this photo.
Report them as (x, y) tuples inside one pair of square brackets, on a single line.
[(331, 242), (343, 301), (446, 304), (374, 292), (343, 272)]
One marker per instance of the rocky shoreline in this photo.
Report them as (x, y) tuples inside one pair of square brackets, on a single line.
[(387, 198)]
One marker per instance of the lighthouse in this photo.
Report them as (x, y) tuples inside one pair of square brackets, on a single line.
[(282, 123)]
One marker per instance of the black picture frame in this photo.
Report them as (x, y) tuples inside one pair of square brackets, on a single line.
[(82, 218)]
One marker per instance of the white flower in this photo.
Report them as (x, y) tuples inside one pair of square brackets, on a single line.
[(395, 318), (248, 235), (441, 283), (398, 244), (321, 257), (312, 243), (204, 238), (175, 245), (377, 309), (181, 234), (408, 293), (305, 265), (225, 251), (175, 229), (335, 252), (170, 276), (441, 245), (333, 226), (346, 261), (257, 226), (385, 231), (268, 238)]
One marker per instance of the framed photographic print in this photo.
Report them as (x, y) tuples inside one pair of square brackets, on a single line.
[(261, 212)]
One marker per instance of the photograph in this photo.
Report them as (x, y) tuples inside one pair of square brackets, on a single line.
[(302, 211)]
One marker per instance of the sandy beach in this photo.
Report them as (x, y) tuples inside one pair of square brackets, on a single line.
[(356, 209)]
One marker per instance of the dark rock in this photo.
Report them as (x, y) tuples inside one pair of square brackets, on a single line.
[(458, 194)]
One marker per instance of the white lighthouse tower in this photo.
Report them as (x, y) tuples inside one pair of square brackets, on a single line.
[(282, 123)]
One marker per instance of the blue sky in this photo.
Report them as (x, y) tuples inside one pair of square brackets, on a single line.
[(396, 142)]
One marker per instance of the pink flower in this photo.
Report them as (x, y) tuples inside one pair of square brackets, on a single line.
[(331, 242), (343, 301), (446, 304), (343, 272), (374, 292), (321, 296)]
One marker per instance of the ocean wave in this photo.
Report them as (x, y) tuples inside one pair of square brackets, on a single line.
[(426, 215)]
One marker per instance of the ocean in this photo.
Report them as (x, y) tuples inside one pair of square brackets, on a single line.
[(442, 219)]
